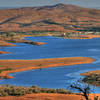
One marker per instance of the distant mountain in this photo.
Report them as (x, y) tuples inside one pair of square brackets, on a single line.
[(59, 17), (97, 8), (8, 7)]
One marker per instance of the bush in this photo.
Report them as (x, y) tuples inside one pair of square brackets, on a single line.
[(9, 90), (51, 91), (62, 91)]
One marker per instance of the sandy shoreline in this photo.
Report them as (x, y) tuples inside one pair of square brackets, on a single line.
[(6, 44), (19, 39), (24, 65), (91, 72)]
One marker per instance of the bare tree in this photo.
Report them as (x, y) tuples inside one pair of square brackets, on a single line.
[(84, 89)]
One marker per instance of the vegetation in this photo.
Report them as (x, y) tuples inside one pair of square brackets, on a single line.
[(93, 79), (9, 90), (85, 90), (11, 34), (5, 69)]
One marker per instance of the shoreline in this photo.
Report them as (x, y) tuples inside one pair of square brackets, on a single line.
[(6, 44), (24, 65), (83, 37), (8, 41), (92, 77), (3, 52), (20, 39), (90, 72)]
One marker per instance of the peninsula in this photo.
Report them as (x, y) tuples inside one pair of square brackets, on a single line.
[(92, 77), (11, 66)]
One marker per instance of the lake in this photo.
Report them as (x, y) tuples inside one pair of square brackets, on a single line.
[(57, 77)]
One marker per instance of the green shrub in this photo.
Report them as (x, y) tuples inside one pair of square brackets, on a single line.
[(51, 91), (62, 91), (43, 90)]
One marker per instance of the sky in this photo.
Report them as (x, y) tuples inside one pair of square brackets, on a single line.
[(28, 3)]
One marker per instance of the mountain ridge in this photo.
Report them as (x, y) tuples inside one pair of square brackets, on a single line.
[(59, 17)]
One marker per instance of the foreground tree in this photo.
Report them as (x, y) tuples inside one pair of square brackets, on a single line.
[(84, 89)]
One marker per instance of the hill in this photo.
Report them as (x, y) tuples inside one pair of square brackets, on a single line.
[(59, 17)]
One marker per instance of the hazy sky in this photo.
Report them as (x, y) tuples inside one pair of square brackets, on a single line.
[(23, 3)]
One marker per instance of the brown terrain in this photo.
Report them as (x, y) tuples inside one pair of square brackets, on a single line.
[(59, 17), (23, 65), (50, 96), (91, 72), (4, 40), (56, 18), (3, 52), (4, 43), (92, 77), (84, 37)]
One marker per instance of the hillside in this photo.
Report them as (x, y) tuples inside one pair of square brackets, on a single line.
[(59, 17)]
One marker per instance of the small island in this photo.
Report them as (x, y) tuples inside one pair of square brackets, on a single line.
[(6, 44)]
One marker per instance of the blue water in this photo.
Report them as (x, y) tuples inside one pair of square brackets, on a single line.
[(58, 77)]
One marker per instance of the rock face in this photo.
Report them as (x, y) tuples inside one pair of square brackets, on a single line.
[(60, 17)]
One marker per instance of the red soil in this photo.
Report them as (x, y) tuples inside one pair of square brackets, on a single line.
[(49, 96)]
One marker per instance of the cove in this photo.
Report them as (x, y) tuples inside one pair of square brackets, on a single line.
[(58, 77)]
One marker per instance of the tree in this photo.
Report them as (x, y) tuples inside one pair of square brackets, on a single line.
[(85, 90)]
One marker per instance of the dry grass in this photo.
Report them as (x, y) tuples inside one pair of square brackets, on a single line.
[(46, 96)]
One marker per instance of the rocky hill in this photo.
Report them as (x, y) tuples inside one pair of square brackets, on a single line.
[(59, 17)]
